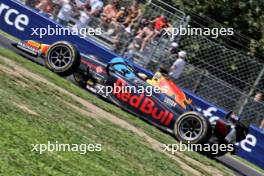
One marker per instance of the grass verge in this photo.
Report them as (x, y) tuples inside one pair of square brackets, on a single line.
[(150, 130), (33, 113)]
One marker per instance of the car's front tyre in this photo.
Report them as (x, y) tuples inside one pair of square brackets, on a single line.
[(62, 58)]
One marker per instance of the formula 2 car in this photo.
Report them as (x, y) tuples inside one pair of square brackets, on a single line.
[(168, 108)]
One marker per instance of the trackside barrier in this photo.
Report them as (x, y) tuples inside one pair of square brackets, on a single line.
[(18, 21), (252, 148)]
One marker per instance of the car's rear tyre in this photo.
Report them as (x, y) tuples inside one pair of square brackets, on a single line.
[(192, 128), (62, 58)]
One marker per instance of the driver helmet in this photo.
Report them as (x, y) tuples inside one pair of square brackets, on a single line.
[(161, 73)]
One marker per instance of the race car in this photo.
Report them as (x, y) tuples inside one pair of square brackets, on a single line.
[(167, 107)]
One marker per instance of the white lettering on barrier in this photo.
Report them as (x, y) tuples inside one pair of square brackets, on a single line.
[(209, 112), (248, 143), (13, 17)]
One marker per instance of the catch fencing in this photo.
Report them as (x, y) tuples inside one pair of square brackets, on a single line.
[(226, 76)]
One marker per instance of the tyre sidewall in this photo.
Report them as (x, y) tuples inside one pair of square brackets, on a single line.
[(206, 128), (71, 67)]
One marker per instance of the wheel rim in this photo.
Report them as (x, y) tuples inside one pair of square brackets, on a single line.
[(190, 128), (60, 57)]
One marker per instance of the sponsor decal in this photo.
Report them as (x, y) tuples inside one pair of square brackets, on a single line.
[(33, 44), (171, 89), (13, 17), (177, 93), (144, 104), (170, 102), (28, 48), (99, 69)]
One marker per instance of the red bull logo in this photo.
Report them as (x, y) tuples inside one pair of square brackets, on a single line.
[(169, 88), (144, 104), (173, 91)]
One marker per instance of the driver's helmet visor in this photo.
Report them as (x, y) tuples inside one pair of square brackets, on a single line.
[(121, 67)]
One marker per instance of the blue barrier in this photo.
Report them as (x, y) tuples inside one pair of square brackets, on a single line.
[(252, 148), (19, 21)]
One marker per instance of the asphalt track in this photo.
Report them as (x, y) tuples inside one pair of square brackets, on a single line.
[(239, 168)]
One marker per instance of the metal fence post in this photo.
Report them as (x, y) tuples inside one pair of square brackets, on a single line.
[(251, 92)]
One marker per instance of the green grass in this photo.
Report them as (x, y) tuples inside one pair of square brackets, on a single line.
[(49, 115), (123, 153)]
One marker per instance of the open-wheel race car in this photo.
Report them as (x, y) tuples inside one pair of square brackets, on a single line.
[(167, 107)]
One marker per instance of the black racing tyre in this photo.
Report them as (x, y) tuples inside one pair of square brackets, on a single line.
[(62, 58), (193, 128)]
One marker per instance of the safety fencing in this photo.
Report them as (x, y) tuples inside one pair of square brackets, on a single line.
[(229, 78)]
